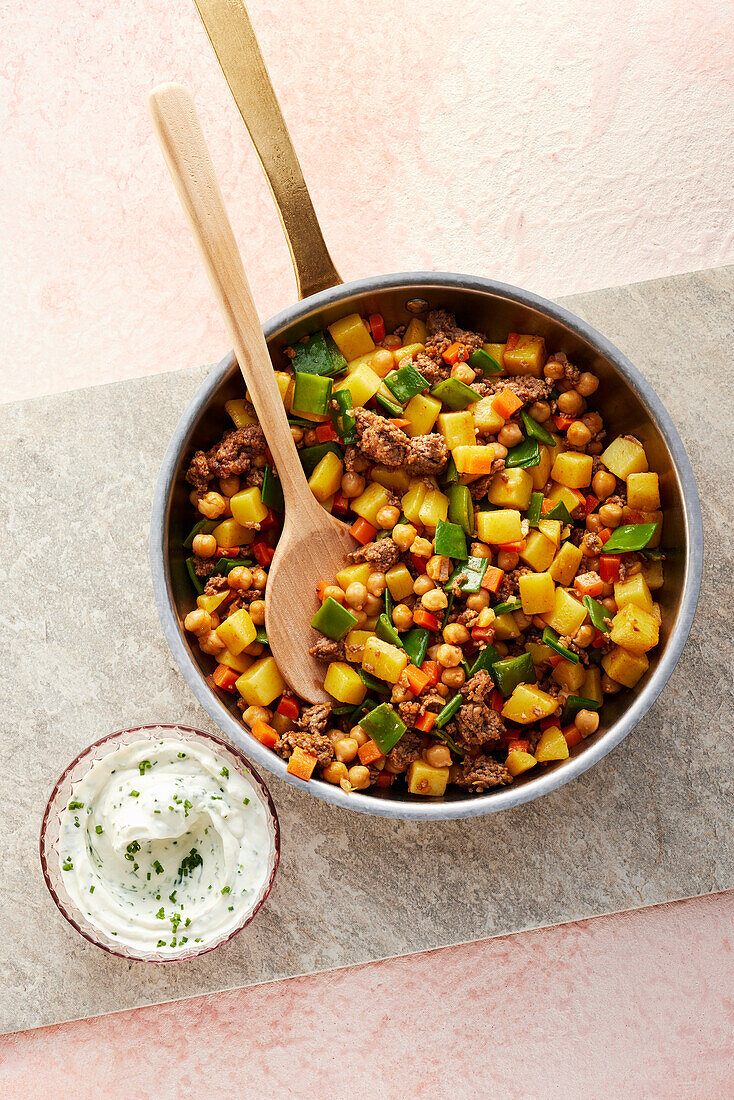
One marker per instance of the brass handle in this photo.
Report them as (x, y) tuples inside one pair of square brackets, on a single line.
[(230, 33)]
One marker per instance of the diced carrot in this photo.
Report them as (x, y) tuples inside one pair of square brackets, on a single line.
[(227, 552), (264, 733), (271, 521), (572, 735), (547, 505), (384, 779), (479, 460), (518, 744), (369, 752), (399, 422), (546, 723), (263, 553), (377, 327), (362, 531), (555, 659), (591, 503), (340, 507), (505, 403), (589, 584), (301, 764), (424, 618), (288, 706), (492, 578), (562, 422), (599, 640), (609, 568), (417, 679), (605, 534), (513, 547), (418, 563), (326, 432), (482, 633), (455, 353), (224, 677), (496, 700), (432, 671), (426, 722)]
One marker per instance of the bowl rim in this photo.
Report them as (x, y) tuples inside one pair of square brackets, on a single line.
[(130, 956), (500, 798)]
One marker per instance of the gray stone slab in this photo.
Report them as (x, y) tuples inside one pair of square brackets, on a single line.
[(83, 654)]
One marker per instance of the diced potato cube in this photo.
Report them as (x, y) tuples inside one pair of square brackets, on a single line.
[(540, 653), (486, 418), (625, 667), (286, 387), (572, 498), (643, 491), (237, 632), (537, 593), (412, 500), (247, 507), (634, 629), (354, 644), (397, 479), (240, 662), (625, 456), (572, 469), (518, 762), (426, 780), (633, 515), (511, 489), (239, 410), (569, 675), (551, 528), (281, 723), (351, 336), (421, 412), (457, 428), (497, 528), (592, 684), (344, 683), (327, 476), (652, 571), (365, 361), (657, 614), (362, 383), (633, 590), (497, 351), (539, 552), (529, 703), (351, 573), (435, 507), (566, 562), (415, 333), (567, 614), (475, 459), (407, 351), (524, 355), (383, 660), (231, 533), (261, 683), (399, 582), (211, 601), (539, 474), (368, 503), (552, 746), (505, 627)]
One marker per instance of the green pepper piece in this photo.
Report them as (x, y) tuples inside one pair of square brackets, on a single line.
[(597, 613), (630, 537), (454, 394), (447, 711), (558, 511), (474, 568), (550, 638), (390, 407), (525, 455), (510, 672), (373, 684), (313, 357), (450, 540), (487, 657), (333, 620), (574, 704), (196, 581), (311, 456), (339, 363), (508, 605), (406, 382), (261, 635), (387, 632), (415, 644), (342, 417), (482, 361), (450, 475), (384, 726), (225, 566), (312, 394), (461, 507), (271, 493), (534, 509), (534, 430), (203, 527)]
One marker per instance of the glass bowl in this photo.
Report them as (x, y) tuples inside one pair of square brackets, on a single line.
[(62, 792)]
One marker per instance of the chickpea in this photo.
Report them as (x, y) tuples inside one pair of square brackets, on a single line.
[(373, 606), (593, 422), (345, 750), (435, 600), (259, 461), (297, 434), (611, 605), (540, 411), (335, 771), (571, 403), (211, 644), (607, 591), (259, 579), (441, 690), (432, 652), (382, 361), (212, 505), (486, 617), (402, 616), (352, 485), (588, 547), (609, 686), (478, 600), (463, 373), (522, 621), (583, 636), (359, 777), (256, 714), (595, 448), (240, 578), (422, 548), (455, 634), (480, 550), (507, 560), (587, 384), (392, 342), (587, 722), (594, 523), (229, 485), (198, 622), (204, 546), (335, 735), (449, 656), (453, 677), (438, 755), (510, 435), (387, 517), (310, 438), (577, 434), (359, 735), (438, 568), (554, 370), (360, 616), (401, 694), (610, 515), (422, 584), (334, 592), (404, 535), (356, 595), (376, 584), (603, 484), (257, 612), (499, 451), (254, 649)]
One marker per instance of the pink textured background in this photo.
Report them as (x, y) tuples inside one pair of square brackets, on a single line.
[(563, 146)]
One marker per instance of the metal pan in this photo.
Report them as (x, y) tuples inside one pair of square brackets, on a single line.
[(625, 400)]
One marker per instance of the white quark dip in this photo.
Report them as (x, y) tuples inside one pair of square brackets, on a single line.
[(165, 847)]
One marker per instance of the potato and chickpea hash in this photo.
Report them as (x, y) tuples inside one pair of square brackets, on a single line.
[(502, 585)]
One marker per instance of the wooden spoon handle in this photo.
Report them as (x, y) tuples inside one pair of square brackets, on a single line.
[(184, 147)]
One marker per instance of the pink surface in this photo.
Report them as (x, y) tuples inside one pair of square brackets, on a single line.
[(638, 1004)]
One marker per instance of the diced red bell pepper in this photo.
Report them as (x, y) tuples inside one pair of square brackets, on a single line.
[(518, 744), (417, 679), (362, 531), (492, 578), (377, 327), (227, 552), (609, 568), (263, 553), (599, 640), (340, 507), (482, 633), (432, 671), (288, 706), (271, 521), (546, 723), (426, 722), (224, 677), (496, 700), (384, 779), (562, 422), (605, 534), (513, 547), (326, 432), (572, 735), (591, 503), (426, 619), (418, 563)]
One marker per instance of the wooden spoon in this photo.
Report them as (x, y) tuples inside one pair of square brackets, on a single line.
[(313, 545)]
